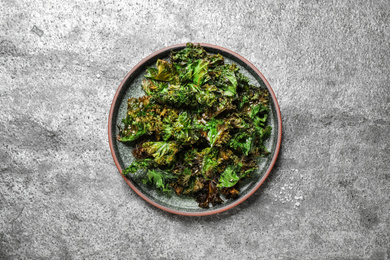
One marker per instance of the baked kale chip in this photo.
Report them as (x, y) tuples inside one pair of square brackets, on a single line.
[(200, 128)]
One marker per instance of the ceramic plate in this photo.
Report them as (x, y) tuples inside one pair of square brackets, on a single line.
[(131, 87)]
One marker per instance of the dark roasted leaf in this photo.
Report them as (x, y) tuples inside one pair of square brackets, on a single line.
[(209, 195)]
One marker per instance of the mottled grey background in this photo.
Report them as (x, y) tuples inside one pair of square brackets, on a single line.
[(62, 196)]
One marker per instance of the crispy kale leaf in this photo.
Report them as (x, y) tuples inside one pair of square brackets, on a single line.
[(243, 142), (217, 132), (162, 152), (200, 128), (164, 72), (160, 179), (228, 178), (137, 165)]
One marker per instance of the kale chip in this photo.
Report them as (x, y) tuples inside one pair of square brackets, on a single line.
[(200, 128)]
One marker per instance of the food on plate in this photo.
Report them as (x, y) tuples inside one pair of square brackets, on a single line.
[(200, 128)]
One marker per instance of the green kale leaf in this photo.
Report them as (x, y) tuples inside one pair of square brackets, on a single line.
[(228, 178), (162, 152), (160, 179)]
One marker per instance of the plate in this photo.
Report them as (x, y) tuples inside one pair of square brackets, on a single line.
[(121, 153)]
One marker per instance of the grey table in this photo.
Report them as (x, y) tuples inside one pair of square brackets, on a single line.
[(61, 196)]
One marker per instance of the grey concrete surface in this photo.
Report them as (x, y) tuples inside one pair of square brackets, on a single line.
[(61, 196)]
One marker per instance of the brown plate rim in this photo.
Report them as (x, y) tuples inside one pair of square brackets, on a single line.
[(212, 211)]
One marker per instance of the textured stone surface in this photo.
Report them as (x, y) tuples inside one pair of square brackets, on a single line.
[(61, 196)]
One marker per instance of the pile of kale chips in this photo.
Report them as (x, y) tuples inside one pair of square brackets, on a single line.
[(199, 129)]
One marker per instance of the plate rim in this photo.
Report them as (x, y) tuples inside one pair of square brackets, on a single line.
[(212, 211)]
